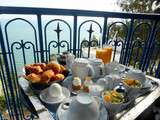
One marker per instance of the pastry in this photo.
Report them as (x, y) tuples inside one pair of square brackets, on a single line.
[(62, 68), (76, 84), (42, 65), (28, 70), (47, 75), (54, 66), (34, 78), (33, 69), (57, 77)]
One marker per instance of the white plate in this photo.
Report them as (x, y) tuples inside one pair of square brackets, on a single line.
[(50, 100), (62, 114), (68, 84)]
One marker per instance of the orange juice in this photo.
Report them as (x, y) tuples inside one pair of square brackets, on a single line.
[(104, 54), (109, 50), (99, 53)]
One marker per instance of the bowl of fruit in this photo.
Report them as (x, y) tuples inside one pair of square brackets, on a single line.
[(133, 86), (42, 75), (114, 101)]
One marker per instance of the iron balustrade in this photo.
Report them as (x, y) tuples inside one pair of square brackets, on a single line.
[(142, 54)]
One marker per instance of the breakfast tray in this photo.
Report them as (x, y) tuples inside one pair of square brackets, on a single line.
[(131, 112)]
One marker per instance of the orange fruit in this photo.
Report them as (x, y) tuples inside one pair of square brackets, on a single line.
[(107, 98)]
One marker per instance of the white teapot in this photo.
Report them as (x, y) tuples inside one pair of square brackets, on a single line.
[(81, 68), (98, 67)]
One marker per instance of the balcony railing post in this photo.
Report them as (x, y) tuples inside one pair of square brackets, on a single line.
[(11, 88), (40, 37), (75, 35), (127, 43), (150, 44), (104, 31), (158, 71)]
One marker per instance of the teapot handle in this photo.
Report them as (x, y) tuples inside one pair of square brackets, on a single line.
[(65, 105), (90, 70), (101, 68)]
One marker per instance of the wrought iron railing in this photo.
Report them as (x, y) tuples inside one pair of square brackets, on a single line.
[(68, 36)]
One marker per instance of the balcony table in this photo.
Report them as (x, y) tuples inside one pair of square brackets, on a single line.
[(141, 103)]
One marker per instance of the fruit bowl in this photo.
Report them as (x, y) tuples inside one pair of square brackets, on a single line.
[(115, 102)]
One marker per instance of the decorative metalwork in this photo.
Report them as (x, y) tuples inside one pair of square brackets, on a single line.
[(90, 41), (12, 71), (59, 43), (154, 60), (5, 88), (145, 41), (135, 52), (117, 41), (110, 27)]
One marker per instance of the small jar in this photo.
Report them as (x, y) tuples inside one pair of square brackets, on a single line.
[(87, 83)]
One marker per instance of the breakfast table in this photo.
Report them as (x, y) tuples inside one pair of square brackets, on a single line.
[(140, 105)]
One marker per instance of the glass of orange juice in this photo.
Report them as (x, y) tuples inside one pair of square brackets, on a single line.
[(104, 54), (109, 50)]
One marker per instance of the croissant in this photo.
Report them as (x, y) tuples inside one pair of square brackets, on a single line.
[(62, 68), (54, 66), (42, 65), (34, 78), (47, 75), (33, 69), (57, 77)]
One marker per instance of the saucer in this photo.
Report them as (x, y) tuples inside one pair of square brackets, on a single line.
[(62, 113), (148, 86), (114, 68), (68, 84), (51, 100)]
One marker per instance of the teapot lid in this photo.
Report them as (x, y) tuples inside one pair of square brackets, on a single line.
[(120, 88), (95, 61), (84, 98), (81, 61)]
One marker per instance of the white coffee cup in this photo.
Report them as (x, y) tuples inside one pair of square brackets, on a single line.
[(83, 107)]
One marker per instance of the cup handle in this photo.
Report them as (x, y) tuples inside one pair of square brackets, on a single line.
[(65, 105)]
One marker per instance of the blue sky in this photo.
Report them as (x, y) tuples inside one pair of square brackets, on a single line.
[(100, 5)]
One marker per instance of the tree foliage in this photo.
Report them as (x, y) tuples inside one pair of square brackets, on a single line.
[(141, 6)]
